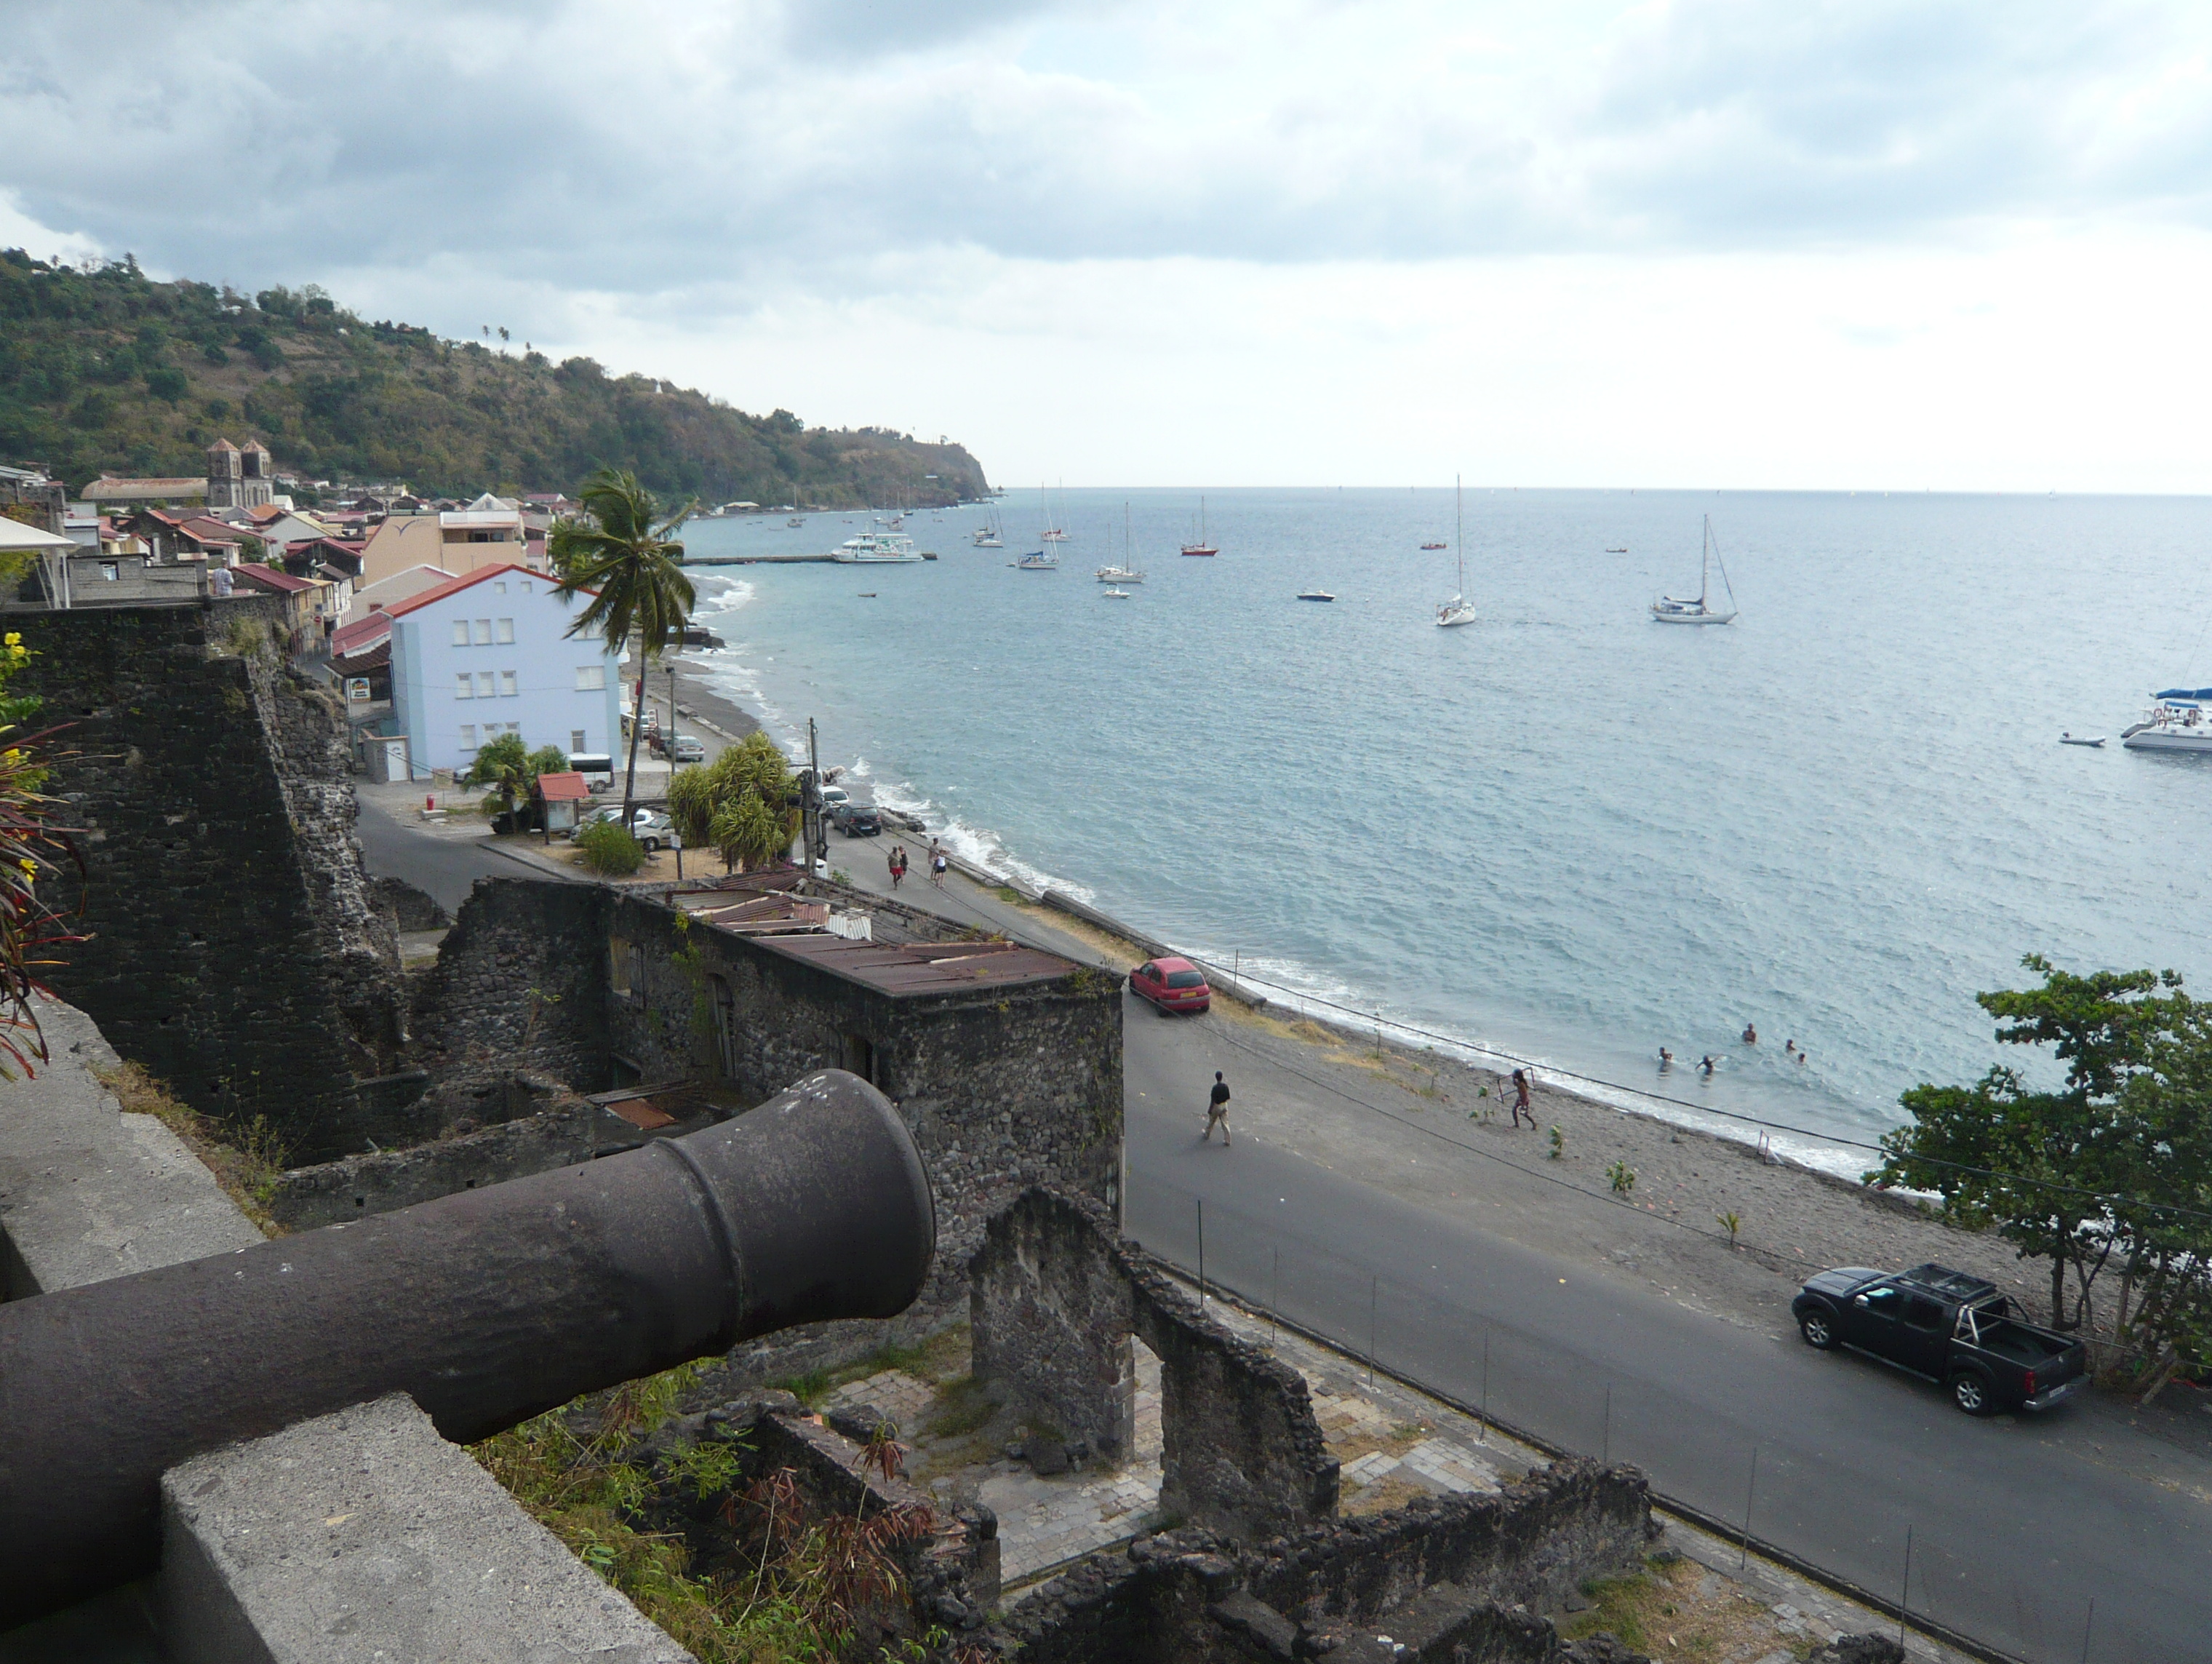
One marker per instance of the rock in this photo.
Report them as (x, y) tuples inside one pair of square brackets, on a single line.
[(1048, 1457), (1579, 1602), (1601, 1650), (1859, 1649), (860, 1421)]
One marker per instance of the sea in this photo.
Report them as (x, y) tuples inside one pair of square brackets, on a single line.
[(1565, 833)]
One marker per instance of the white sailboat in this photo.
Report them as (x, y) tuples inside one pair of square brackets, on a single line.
[(1127, 571), (1458, 610), (1667, 610), (990, 535), (1053, 531)]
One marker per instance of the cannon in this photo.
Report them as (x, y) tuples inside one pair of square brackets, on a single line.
[(486, 1307)]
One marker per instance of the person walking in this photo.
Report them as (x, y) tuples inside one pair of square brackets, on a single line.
[(939, 862), (897, 861), (1521, 1100), (1217, 1110)]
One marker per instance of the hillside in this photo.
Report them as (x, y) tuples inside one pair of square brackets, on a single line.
[(104, 371)]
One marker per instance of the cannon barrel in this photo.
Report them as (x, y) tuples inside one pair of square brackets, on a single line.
[(486, 1307)]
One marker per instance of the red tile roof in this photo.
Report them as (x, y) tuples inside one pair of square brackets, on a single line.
[(270, 578), (563, 787), (363, 633), (415, 602)]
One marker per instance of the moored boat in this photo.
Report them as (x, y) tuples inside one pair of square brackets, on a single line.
[(1040, 560), (1667, 610), (876, 549), (2177, 723)]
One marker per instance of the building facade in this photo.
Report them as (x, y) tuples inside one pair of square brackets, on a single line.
[(488, 654), (239, 479)]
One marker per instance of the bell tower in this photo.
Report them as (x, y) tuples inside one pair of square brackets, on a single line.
[(225, 476)]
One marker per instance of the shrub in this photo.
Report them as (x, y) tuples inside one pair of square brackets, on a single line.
[(609, 850)]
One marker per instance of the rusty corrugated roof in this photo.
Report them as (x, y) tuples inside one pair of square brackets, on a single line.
[(924, 968)]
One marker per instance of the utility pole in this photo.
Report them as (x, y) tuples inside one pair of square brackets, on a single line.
[(671, 743), (810, 819)]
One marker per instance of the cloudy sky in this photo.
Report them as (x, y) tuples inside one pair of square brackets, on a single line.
[(1810, 243)]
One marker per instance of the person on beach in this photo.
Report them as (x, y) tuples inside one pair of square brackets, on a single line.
[(1750, 1034), (1521, 1100), (1217, 1109)]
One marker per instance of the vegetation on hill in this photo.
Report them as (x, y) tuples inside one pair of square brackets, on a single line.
[(104, 371)]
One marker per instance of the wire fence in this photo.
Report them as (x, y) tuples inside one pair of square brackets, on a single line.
[(1852, 1471)]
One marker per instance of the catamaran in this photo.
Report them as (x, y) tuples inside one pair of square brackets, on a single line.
[(1667, 610), (1458, 610), (2177, 723), (1204, 544)]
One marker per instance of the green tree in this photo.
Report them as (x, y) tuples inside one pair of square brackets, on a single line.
[(2040, 1167), (622, 553), (705, 803), (510, 772)]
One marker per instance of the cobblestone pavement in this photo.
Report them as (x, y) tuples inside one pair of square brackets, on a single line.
[(900, 1396)]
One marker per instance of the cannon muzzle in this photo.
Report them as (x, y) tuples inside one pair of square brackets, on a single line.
[(487, 1307)]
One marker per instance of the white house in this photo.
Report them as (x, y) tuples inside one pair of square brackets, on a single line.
[(488, 654)]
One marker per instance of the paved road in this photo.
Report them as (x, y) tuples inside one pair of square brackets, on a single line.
[(446, 867), (2016, 1525)]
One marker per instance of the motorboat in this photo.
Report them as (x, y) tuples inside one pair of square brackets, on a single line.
[(796, 520), (1621, 551), (875, 548), (1120, 574), (1114, 594), (1458, 610), (2177, 723), (1436, 545), (1315, 594), (1667, 610), (2081, 740), (1040, 560)]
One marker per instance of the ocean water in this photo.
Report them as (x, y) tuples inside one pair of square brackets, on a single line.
[(1565, 832)]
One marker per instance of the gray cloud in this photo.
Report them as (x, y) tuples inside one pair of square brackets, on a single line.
[(693, 149)]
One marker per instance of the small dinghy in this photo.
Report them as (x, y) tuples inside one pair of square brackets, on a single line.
[(1114, 594), (867, 594), (2080, 740), (1315, 594)]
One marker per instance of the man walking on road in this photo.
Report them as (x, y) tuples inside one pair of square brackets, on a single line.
[(1520, 1100), (1217, 1110)]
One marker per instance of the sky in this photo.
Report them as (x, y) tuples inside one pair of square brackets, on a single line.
[(1815, 245)]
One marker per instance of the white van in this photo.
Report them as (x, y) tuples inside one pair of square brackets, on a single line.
[(596, 768)]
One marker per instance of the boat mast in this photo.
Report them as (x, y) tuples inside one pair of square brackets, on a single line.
[(1706, 564), (1459, 531)]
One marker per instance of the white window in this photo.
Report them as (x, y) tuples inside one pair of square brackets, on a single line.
[(506, 687), (468, 736), (483, 632), (525, 586), (576, 739), (483, 685), (503, 630), (460, 632), (514, 728), (499, 588), (464, 686), (590, 678)]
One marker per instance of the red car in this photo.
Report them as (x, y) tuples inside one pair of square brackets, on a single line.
[(1171, 984)]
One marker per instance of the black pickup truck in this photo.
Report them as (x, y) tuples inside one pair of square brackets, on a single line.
[(1947, 1326)]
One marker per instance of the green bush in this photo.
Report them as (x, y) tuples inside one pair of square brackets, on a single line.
[(609, 850)]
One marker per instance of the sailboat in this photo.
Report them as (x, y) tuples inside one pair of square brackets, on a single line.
[(1052, 532), (990, 535), (1667, 610), (1127, 571), (1205, 544), (1458, 610)]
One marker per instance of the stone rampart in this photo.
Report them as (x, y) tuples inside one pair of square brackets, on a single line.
[(1055, 1294), (232, 950)]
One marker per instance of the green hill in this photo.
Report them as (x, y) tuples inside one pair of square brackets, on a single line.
[(104, 371)]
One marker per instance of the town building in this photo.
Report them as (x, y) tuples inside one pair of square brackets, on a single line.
[(489, 654), (239, 479), (374, 597)]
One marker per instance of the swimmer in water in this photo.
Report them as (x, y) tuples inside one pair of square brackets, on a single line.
[(1790, 1048), (1666, 1058), (1750, 1034), (1705, 1064), (1801, 1054)]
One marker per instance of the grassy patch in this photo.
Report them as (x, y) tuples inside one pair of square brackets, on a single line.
[(1007, 894), (1680, 1611), (245, 1158), (961, 1407)]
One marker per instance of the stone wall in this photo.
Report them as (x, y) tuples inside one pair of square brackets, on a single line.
[(520, 987), (232, 951), (332, 1192), (411, 909), (1054, 1294), (1457, 1579)]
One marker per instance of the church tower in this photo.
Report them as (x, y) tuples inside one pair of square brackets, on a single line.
[(225, 476), (259, 484)]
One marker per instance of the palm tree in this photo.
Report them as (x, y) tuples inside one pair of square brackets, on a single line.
[(630, 567)]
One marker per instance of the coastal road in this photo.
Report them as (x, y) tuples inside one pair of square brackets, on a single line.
[(445, 868), (2016, 1524)]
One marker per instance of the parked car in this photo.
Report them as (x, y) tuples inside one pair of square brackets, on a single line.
[(685, 749), (857, 820), (1945, 1326), (654, 830), (832, 796), (1171, 984)]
